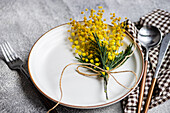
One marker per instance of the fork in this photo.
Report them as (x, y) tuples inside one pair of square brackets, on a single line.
[(14, 62)]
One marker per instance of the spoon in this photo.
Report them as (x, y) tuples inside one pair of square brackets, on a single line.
[(149, 37)]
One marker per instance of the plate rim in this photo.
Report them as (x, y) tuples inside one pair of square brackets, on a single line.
[(91, 106)]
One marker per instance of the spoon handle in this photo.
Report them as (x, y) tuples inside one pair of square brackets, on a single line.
[(142, 87)]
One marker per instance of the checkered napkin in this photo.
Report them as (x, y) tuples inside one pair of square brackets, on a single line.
[(160, 19)]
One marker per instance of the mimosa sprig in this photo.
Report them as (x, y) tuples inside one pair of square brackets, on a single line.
[(98, 43)]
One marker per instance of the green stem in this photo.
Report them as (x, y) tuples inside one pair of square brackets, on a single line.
[(105, 86)]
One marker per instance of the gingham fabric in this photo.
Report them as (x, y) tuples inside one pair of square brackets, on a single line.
[(160, 19)]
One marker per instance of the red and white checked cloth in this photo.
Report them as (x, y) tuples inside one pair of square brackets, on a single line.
[(160, 19)]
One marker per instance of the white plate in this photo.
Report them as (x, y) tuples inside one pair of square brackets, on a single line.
[(52, 52)]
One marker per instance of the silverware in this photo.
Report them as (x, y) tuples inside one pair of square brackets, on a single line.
[(163, 49), (149, 37), (14, 62)]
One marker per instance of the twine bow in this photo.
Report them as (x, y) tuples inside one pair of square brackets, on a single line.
[(97, 73)]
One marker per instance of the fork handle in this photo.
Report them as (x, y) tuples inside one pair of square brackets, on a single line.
[(48, 103), (24, 72)]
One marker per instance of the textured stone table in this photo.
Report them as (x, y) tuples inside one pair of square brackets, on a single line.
[(22, 22)]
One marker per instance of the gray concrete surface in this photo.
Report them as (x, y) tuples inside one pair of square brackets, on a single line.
[(22, 22)]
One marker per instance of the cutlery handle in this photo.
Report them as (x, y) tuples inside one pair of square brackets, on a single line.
[(142, 87), (150, 95), (48, 103), (24, 72)]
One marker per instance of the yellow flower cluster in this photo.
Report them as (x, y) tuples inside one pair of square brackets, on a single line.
[(110, 36)]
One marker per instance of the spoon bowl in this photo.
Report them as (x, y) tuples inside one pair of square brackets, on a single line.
[(149, 36)]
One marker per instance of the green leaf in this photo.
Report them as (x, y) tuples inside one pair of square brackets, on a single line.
[(101, 53)]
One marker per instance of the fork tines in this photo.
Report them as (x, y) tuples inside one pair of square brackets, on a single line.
[(8, 52)]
